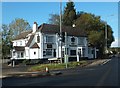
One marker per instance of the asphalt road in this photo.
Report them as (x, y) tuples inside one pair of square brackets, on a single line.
[(101, 75)]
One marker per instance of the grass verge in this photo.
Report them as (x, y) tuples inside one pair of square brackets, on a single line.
[(41, 67)]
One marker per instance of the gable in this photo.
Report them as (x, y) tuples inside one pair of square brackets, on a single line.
[(35, 45), (30, 40)]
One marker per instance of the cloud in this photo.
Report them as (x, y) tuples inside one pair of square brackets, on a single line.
[(116, 43)]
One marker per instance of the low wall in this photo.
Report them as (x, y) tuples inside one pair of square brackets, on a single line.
[(4, 60)]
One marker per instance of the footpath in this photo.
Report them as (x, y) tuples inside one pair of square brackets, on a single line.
[(22, 71)]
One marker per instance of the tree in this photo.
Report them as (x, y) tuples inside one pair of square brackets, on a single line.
[(69, 14), (90, 23), (95, 28), (54, 19), (19, 25), (9, 32), (6, 40)]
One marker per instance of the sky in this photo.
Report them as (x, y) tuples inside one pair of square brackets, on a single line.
[(40, 12)]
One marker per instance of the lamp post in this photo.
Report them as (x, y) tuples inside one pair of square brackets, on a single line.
[(61, 29), (105, 37)]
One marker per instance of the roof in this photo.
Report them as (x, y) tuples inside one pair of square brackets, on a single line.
[(22, 35), (19, 48), (35, 45), (30, 40), (52, 29)]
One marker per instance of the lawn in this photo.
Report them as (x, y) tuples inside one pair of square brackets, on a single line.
[(41, 67)]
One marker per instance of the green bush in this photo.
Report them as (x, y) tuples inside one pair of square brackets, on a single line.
[(26, 61)]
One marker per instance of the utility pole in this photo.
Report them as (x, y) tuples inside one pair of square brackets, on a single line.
[(61, 29), (65, 52)]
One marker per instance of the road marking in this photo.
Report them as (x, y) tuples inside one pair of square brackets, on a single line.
[(106, 61)]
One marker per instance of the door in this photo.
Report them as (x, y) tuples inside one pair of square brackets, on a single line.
[(54, 53), (79, 52)]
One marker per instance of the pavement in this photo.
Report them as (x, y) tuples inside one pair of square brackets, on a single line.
[(21, 71)]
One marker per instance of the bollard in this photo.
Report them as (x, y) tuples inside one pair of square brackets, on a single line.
[(47, 70), (13, 64)]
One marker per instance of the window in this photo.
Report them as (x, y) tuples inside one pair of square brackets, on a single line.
[(18, 55), (49, 39), (83, 52), (81, 41), (92, 51), (34, 53), (44, 53), (72, 52), (72, 39), (49, 45), (49, 52), (22, 54), (89, 51), (38, 39)]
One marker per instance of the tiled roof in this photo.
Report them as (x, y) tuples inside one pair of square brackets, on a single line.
[(30, 40), (50, 28), (19, 48), (22, 35), (35, 45)]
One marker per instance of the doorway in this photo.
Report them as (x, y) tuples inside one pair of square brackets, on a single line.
[(54, 53)]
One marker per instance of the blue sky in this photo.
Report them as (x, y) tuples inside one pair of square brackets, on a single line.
[(39, 12)]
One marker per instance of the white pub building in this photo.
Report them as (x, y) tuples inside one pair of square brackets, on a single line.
[(43, 43)]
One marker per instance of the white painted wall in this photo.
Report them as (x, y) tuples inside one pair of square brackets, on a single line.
[(90, 55), (44, 44), (27, 53), (32, 55), (16, 55), (20, 42)]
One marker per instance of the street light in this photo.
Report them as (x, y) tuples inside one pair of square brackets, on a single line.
[(61, 28)]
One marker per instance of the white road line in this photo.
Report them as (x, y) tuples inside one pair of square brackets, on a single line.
[(106, 62)]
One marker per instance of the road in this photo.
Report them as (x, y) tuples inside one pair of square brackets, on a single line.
[(101, 75)]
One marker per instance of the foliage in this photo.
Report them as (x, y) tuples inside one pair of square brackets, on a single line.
[(69, 14), (114, 49), (54, 19), (7, 36), (95, 28), (19, 25), (90, 23), (0, 45), (26, 61), (68, 17), (9, 32)]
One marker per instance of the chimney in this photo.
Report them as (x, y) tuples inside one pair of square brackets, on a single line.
[(35, 27)]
